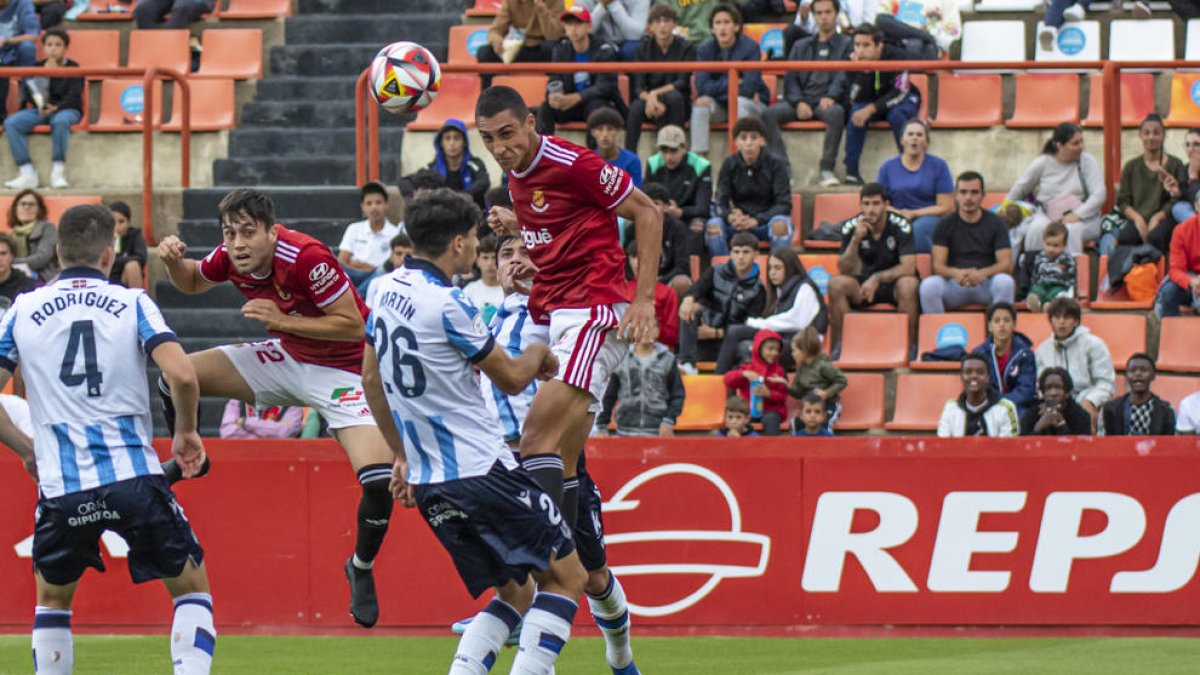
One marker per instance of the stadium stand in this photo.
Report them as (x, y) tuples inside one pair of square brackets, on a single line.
[(95, 48), (1177, 344), (163, 48), (1079, 41), (257, 9), (1137, 99), (993, 41), (919, 400), (211, 106), (1149, 40), (1185, 111), (705, 403), (1125, 334), (862, 403), (966, 101), (862, 346), (112, 114), (1044, 100), (234, 53), (941, 331)]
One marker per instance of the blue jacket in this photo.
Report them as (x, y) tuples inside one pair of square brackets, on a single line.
[(19, 18), (716, 85), (1019, 380)]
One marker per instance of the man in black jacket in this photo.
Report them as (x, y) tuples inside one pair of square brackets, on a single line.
[(688, 178), (571, 97), (876, 96), (1139, 412), (674, 265), (57, 102), (13, 282), (664, 98), (753, 192), (815, 95), (725, 295)]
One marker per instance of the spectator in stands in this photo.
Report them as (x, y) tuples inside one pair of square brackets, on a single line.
[(819, 95), (712, 89), (925, 27), (877, 264), (603, 128), (1052, 270), (1190, 183), (1068, 185), (920, 185), (816, 375), (153, 13), (979, 410), (1012, 367), (688, 178), (13, 282), (763, 382), (1149, 186), (242, 420), (366, 243), (693, 17), (813, 419), (19, 28), (725, 295), (1056, 413), (419, 182), (486, 292), (36, 237), (875, 96), (521, 32), (666, 302), (130, 248), (454, 162), (572, 97), (972, 255), (401, 247), (851, 13), (663, 98), (650, 390), (50, 12), (1139, 412), (1182, 285), (737, 419), (674, 263), (1187, 423), (621, 22), (753, 193), (794, 303), (1083, 355), (58, 103)]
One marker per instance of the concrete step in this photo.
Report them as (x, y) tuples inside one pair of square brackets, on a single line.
[(367, 29), (347, 59), (286, 171), (333, 204), (211, 322), (224, 295), (284, 88), (320, 114), (381, 6), (261, 143), (204, 234)]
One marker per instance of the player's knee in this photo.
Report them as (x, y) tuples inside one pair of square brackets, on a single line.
[(597, 581)]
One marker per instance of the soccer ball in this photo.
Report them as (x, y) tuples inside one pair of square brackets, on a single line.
[(405, 77)]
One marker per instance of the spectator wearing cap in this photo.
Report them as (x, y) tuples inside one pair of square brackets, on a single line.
[(727, 43), (621, 22), (130, 248), (153, 13), (571, 97), (521, 32), (884, 95), (688, 179), (57, 102), (603, 128), (674, 264), (1139, 412), (366, 243), (663, 98), (753, 192)]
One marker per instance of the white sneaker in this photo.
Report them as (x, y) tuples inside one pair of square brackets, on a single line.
[(829, 179), (1075, 12), (687, 368), (23, 181), (58, 179), (1046, 38)]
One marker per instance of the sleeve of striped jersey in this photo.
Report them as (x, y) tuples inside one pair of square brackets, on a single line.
[(370, 337), (465, 329), (215, 266), (8, 345), (605, 184), (322, 275), (152, 328)]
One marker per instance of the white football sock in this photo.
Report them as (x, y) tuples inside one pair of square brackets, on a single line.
[(544, 634), (53, 651), (611, 614), (480, 645), (193, 636)]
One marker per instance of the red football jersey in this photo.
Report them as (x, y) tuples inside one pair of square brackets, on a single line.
[(564, 204), (305, 278)]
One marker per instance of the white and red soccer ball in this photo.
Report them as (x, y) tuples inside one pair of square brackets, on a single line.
[(405, 77)]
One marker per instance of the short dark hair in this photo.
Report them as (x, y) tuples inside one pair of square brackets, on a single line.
[(737, 404), (6, 239), (499, 98), (488, 243), (121, 208), (657, 192), (254, 204), (1141, 356), (605, 117), (749, 124), (812, 398), (372, 188), (400, 240), (972, 356), (497, 196), (1046, 374), (730, 9), (873, 190), (660, 12), (1000, 307), (837, 6), (743, 239), (968, 176), (435, 218), (427, 179), (1054, 228), (1068, 307), (57, 32), (83, 233), (872, 30)]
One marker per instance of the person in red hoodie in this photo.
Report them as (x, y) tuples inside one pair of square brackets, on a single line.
[(763, 378), (1182, 285), (666, 302)]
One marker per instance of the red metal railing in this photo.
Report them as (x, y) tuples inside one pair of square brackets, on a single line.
[(367, 125), (148, 75)]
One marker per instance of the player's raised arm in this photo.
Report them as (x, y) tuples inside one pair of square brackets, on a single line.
[(510, 375), (183, 273), (639, 319)]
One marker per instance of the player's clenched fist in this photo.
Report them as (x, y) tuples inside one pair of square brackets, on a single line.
[(502, 221), (266, 311), (188, 450), (171, 249), (549, 367)]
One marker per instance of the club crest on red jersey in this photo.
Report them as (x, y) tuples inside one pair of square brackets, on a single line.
[(537, 201)]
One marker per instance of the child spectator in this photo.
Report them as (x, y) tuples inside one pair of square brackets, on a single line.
[(650, 390), (1053, 274), (813, 418), (486, 291), (1012, 367), (242, 420), (36, 237), (603, 126), (1082, 354), (401, 249), (571, 97), (13, 282), (57, 101), (663, 98), (364, 245), (979, 410), (1139, 412), (1056, 413), (130, 248), (763, 382), (753, 192), (454, 162), (727, 43), (688, 178), (724, 296), (737, 419), (150, 13), (816, 375), (666, 302)]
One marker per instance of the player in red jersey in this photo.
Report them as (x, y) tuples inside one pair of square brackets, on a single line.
[(296, 288), (566, 201)]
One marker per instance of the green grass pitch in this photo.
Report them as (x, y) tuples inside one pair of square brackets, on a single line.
[(238, 655)]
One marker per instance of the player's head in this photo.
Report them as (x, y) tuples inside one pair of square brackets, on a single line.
[(441, 225), (737, 414), (813, 412), (507, 127), (248, 229), (511, 250), (85, 237), (873, 203)]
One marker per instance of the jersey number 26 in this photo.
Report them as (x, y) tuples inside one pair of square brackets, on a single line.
[(401, 359)]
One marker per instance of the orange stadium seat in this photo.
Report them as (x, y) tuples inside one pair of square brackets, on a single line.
[(1176, 345), (93, 48), (797, 216), (257, 9), (56, 205), (1185, 100), (464, 40), (160, 47), (834, 207), (874, 341), (769, 37), (1045, 100), (212, 106), (862, 403), (117, 117), (456, 100), (97, 15), (1119, 299), (1125, 334), (1137, 99), (485, 8), (947, 330), (968, 101), (531, 87), (1170, 388), (991, 199), (920, 398), (704, 405), (1036, 327), (820, 267), (235, 53)]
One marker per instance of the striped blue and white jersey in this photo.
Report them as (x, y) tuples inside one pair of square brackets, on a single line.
[(426, 335), (514, 330), (82, 344)]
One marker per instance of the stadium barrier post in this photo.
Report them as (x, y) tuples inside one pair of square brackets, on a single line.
[(735, 84)]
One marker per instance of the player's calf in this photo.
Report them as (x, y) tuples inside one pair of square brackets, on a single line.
[(193, 635), (606, 599), (484, 638), (374, 512)]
